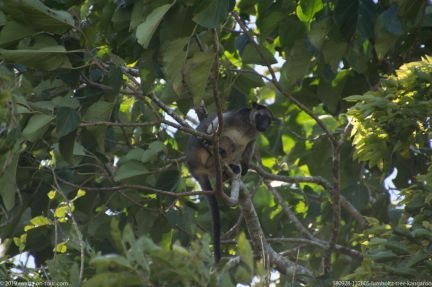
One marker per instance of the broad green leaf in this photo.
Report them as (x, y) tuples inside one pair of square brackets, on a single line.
[(387, 30), (66, 146), (99, 111), (36, 127), (319, 31), (397, 247), (153, 149), (104, 262), (242, 275), (14, 31), (383, 256), (245, 251), (291, 30), (306, 9), (346, 15), (66, 101), (68, 120), (196, 74), (145, 30), (112, 278), (130, 169), (297, 64), (174, 57), (214, 14), (8, 184), (38, 221), (116, 236), (39, 15), (246, 81), (250, 55), (333, 53), (390, 20), (2, 19), (45, 58)]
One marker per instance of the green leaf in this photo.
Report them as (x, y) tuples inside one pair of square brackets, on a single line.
[(44, 58), (174, 57), (99, 111), (146, 29), (291, 31), (390, 21), (2, 19), (333, 52), (66, 101), (214, 14), (387, 30), (346, 15), (153, 149), (117, 237), (242, 275), (397, 247), (61, 211), (14, 31), (196, 74), (8, 182), (383, 256), (319, 31), (39, 15), (245, 251), (36, 127), (306, 9), (130, 169), (105, 262), (66, 146), (297, 64), (68, 120), (112, 278), (250, 55)]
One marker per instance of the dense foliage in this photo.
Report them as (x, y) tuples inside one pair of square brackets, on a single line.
[(97, 102)]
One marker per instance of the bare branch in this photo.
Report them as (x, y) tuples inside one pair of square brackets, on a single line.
[(288, 212), (137, 187), (217, 134), (259, 242), (116, 124), (345, 204), (291, 179), (319, 243)]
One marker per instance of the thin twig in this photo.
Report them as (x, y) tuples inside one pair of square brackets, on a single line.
[(291, 179), (319, 243), (137, 187), (345, 204), (288, 211), (74, 223)]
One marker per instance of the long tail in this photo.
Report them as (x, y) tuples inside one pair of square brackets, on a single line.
[(214, 209)]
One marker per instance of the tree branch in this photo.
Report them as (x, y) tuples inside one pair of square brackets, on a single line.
[(217, 134), (259, 242), (288, 212), (137, 187), (312, 179), (319, 243)]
